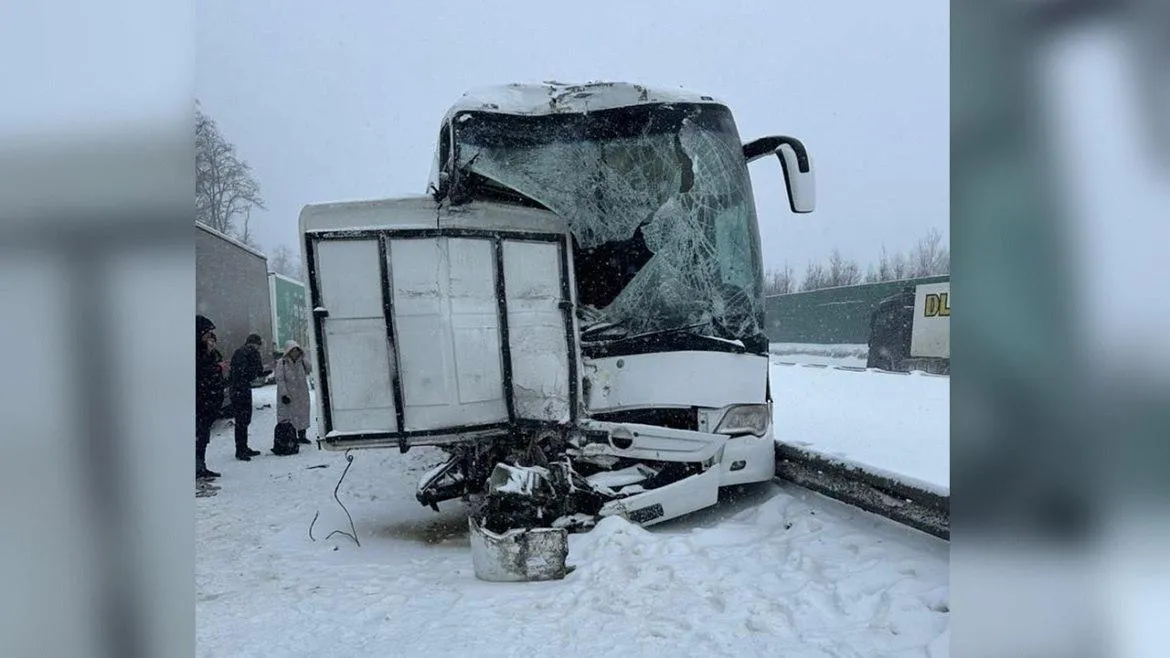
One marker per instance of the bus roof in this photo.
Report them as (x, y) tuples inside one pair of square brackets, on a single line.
[(560, 98)]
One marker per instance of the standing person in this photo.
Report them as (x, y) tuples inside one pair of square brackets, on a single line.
[(208, 392), (292, 389), (247, 365)]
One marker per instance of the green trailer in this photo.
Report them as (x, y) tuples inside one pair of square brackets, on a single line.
[(289, 312)]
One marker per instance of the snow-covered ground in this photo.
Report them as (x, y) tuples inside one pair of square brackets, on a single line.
[(772, 570), (894, 424), (843, 354)]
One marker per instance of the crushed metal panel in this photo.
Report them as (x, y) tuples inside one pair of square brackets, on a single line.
[(518, 555), (444, 302), (536, 330), (360, 391), (530, 550), (671, 501), (653, 443)]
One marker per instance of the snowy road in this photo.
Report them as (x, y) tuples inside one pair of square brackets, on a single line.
[(773, 570)]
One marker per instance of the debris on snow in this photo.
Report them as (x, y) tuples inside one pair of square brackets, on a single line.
[(519, 555)]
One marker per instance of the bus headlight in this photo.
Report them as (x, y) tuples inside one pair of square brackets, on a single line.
[(745, 419)]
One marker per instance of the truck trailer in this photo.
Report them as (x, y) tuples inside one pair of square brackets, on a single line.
[(912, 330), (573, 313), (232, 289), (289, 312)]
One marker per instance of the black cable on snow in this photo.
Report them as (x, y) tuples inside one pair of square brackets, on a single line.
[(353, 534)]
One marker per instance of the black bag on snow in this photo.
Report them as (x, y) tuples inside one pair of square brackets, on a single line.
[(284, 439)]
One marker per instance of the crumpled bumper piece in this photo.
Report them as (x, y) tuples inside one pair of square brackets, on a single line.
[(519, 555)]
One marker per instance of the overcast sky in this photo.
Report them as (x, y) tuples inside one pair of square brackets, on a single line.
[(332, 101)]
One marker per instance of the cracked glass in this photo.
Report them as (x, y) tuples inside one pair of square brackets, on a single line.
[(659, 203)]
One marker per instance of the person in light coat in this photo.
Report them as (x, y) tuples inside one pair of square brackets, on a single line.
[(292, 389)]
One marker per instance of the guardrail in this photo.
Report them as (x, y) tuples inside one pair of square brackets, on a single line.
[(898, 501)]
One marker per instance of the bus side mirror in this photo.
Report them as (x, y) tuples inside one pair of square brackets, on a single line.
[(797, 166)]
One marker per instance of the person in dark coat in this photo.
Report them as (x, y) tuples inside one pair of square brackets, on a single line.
[(247, 366), (208, 392)]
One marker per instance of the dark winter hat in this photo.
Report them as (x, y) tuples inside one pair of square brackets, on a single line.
[(254, 339), (202, 326)]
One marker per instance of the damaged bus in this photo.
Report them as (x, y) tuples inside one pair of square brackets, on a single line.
[(573, 313)]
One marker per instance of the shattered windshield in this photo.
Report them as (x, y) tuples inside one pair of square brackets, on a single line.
[(659, 203)]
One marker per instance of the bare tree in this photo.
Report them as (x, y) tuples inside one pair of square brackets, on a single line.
[(930, 257), (779, 282), (282, 260), (224, 185), (839, 272), (880, 272), (843, 272), (815, 277), (899, 268), (245, 233), (893, 268)]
